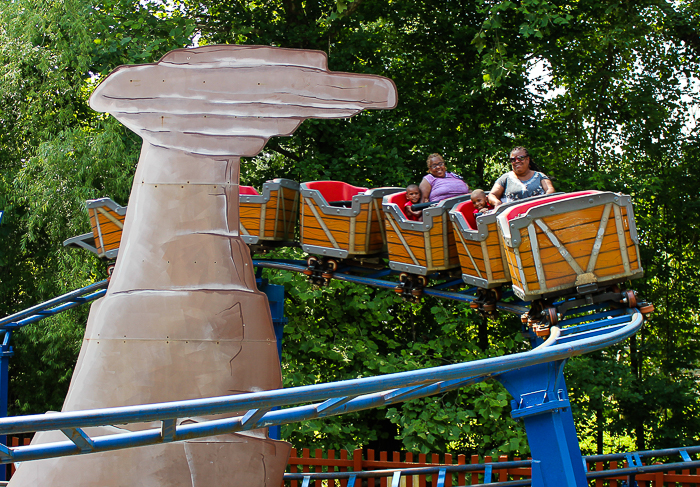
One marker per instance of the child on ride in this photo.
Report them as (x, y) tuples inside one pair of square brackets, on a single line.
[(413, 197), (480, 202)]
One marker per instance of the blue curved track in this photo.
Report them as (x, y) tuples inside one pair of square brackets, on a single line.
[(534, 378)]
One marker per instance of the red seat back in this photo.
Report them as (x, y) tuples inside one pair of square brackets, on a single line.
[(522, 208), (398, 198), (247, 190), (335, 190), (466, 208)]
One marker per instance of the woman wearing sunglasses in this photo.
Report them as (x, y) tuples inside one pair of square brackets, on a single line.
[(524, 181)]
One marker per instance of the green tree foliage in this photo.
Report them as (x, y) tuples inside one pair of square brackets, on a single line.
[(614, 114), (55, 153)]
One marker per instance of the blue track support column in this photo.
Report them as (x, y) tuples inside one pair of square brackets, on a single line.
[(542, 403), (5, 354), (275, 297)]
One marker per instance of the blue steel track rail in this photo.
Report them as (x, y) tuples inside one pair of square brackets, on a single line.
[(588, 318), (299, 403), (371, 280), (54, 306)]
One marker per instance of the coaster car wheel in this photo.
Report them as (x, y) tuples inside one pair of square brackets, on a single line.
[(331, 265), (497, 293), (311, 264), (629, 298), (550, 315), (646, 308)]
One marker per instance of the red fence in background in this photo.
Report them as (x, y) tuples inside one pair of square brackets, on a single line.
[(15, 441), (355, 461), (345, 461)]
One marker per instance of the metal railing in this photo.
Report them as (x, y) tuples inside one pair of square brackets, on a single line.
[(441, 472), (299, 403)]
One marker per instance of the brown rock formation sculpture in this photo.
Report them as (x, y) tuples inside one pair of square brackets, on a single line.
[(182, 318)]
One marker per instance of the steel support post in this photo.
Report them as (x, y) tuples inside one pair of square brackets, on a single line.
[(5, 354), (275, 298), (542, 403)]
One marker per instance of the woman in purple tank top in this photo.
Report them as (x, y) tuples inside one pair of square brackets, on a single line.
[(440, 184)]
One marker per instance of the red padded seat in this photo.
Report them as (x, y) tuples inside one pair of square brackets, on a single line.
[(247, 190), (522, 208), (335, 190), (397, 198), (466, 208)]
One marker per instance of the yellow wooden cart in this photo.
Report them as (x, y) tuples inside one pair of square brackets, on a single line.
[(582, 240), (271, 216), (425, 247), (481, 254), (107, 220), (342, 221)]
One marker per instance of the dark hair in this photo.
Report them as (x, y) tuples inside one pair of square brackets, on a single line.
[(533, 165), (411, 186), (432, 156)]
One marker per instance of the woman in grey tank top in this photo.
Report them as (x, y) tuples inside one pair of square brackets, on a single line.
[(524, 181)]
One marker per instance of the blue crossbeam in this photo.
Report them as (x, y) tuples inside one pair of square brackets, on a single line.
[(569, 322), (366, 393), (54, 306)]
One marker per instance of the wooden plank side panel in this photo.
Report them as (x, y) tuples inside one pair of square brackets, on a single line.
[(111, 240), (360, 234), (290, 213), (376, 241), (272, 215), (363, 224), (498, 275), (528, 263), (493, 247), (415, 240), (464, 261), (494, 254), (111, 233), (498, 272), (95, 232), (513, 267), (108, 225), (452, 255), (495, 261), (338, 226), (438, 246), (577, 218), (249, 215), (577, 231), (440, 253), (631, 246), (104, 220), (397, 251)]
